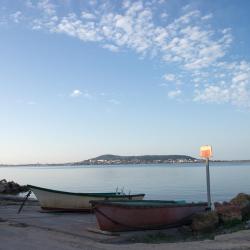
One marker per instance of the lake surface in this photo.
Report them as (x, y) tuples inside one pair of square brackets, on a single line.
[(157, 181)]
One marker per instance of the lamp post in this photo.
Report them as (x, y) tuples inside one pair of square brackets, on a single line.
[(208, 184), (206, 152)]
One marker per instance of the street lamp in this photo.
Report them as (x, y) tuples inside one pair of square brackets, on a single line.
[(205, 153)]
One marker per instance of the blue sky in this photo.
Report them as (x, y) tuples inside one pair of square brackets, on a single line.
[(84, 78)]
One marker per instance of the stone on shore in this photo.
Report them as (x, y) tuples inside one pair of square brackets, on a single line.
[(243, 201), (228, 213), (10, 187), (236, 210)]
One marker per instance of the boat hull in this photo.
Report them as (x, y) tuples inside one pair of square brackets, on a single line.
[(66, 201), (116, 217)]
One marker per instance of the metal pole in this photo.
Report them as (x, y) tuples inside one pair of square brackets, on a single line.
[(208, 184)]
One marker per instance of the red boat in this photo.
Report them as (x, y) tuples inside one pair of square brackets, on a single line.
[(146, 214)]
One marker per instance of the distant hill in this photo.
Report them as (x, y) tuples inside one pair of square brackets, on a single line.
[(117, 159), (143, 157)]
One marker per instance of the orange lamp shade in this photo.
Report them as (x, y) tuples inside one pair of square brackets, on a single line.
[(206, 151)]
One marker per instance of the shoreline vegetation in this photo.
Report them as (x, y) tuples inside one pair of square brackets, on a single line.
[(109, 159)]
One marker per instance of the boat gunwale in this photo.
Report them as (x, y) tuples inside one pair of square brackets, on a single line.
[(113, 194), (129, 204)]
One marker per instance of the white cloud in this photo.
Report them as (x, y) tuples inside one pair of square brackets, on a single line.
[(87, 15), (174, 93), (76, 93), (209, 16), (233, 86), (114, 101), (29, 4), (93, 2), (16, 17), (169, 77), (194, 47), (163, 85), (47, 7), (213, 94), (189, 43), (31, 103), (164, 15), (111, 47), (241, 76), (73, 26), (87, 95), (183, 40)]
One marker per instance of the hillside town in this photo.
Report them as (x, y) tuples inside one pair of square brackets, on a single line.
[(152, 159)]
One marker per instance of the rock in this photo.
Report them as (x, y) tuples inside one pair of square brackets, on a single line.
[(205, 222), (3, 184), (240, 199), (229, 213), (245, 212), (11, 187), (2, 188), (243, 201)]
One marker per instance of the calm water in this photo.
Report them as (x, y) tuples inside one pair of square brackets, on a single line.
[(174, 181)]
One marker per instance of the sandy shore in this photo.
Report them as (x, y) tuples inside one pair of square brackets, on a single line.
[(33, 229)]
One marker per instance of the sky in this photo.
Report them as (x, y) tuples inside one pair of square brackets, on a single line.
[(80, 79)]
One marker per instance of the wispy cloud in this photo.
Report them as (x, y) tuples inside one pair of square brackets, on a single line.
[(114, 101), (16, 17), (232, 86), (87, 95), (111, 47), (164, 15), (188, 42), (31, 103), (87, 15), (209, 16), (76, 93), (174, 93), (47, 7), (169, 77)]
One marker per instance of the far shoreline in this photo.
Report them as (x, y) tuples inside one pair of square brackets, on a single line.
[(119, 164)]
